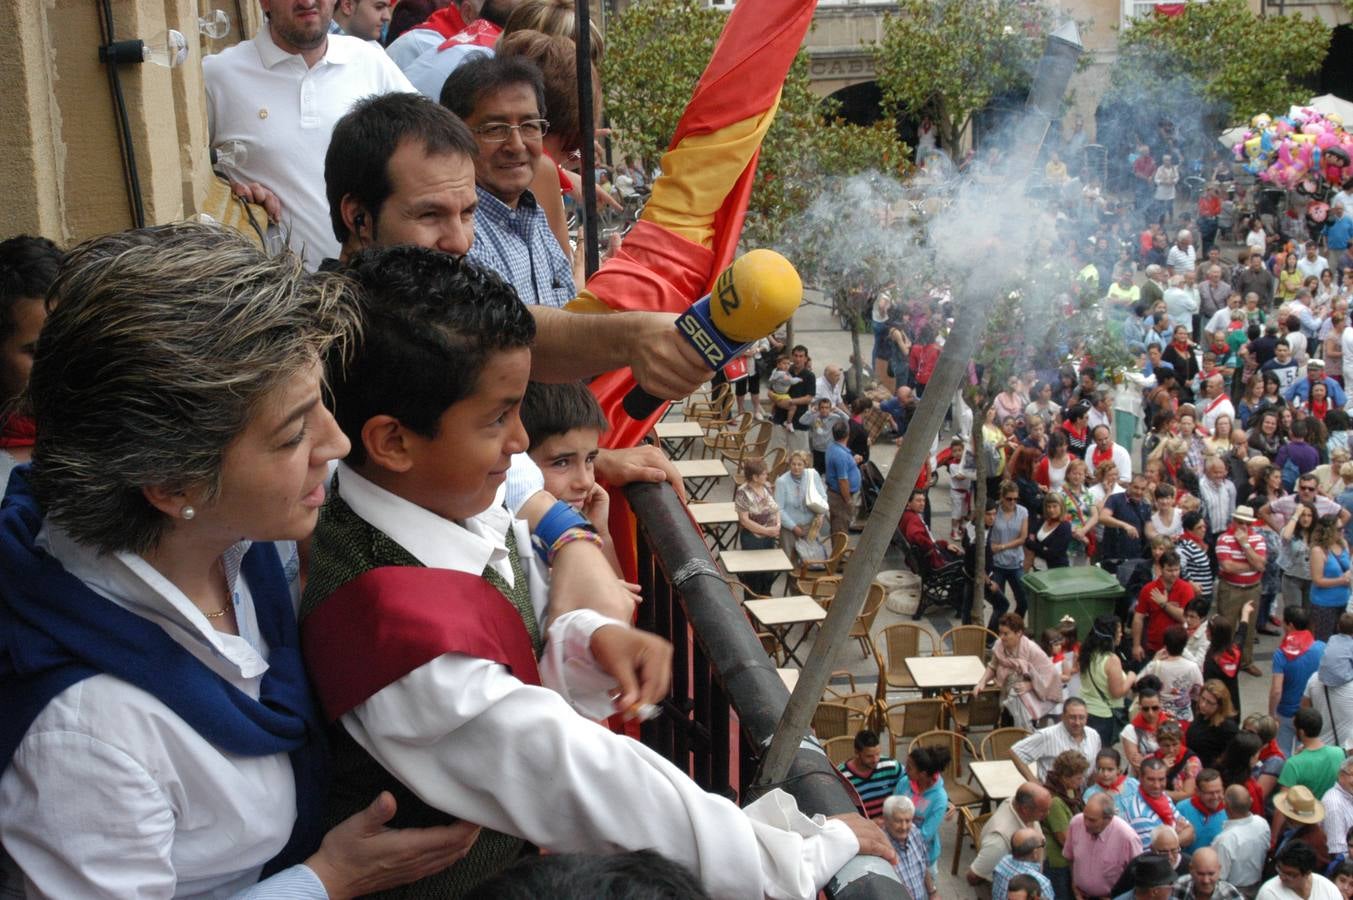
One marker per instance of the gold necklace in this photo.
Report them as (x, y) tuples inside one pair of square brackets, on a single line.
[(229, 596)]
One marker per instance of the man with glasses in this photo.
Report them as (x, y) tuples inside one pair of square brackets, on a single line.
[(1276, 512), (1025, 858), (1297, 878), (502, 99), (1045, 745)]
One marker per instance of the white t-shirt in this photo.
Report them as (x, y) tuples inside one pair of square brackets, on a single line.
[(283, 113), (1180, 679), (1321, 889)]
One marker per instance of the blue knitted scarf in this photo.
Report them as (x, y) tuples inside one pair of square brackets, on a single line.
[(55, 632)]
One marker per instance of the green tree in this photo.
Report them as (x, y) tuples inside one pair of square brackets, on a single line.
[(655, 52), (1239, 63), (947, 59)]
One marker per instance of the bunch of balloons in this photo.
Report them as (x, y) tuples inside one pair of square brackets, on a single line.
[(1304, 150)]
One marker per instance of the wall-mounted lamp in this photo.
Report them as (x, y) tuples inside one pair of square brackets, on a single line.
[(169, 50)]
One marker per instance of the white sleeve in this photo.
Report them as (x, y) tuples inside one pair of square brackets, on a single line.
[(568, 668), (524, 480), (83, 819), (1030, 748), (472, 740)]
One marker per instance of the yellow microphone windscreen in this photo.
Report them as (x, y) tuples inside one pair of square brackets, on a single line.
[(754, 295)]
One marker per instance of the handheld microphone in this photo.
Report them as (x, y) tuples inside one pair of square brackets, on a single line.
[(751, 298)]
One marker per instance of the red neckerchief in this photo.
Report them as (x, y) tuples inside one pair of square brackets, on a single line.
[(1178, 757), (1182, 348), (1198, 805), (1190, 536), (1098, 456), (1117, 785), (1229, 662), (1171, 470), (1139, 722), (1060, 657), (1071, 430), (1319, 408), (18, 431), (1162, 806), (1213, 405), (1296, 643), (1270, 750)]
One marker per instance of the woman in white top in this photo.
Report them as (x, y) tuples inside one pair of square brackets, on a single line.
[(1166, 521), (159, 738), (1256, 238)]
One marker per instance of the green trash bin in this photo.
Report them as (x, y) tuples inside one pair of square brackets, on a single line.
[(1082, 592)]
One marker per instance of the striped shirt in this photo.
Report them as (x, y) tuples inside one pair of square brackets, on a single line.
[(1229, 550), (876, 786), (911, 862), (1039, 749), (1143, 819), (1196, 566)]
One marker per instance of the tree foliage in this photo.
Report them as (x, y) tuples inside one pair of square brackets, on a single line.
[(947, 59), (655, 53), (1239, 63)]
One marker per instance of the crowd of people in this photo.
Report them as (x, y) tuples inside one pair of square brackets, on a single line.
[(1207, 467), (308, 584)]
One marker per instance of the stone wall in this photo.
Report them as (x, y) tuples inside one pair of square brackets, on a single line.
[(62, 168)]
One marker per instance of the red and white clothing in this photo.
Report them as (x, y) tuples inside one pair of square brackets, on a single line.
[(1214, 409), (426, 35), (1115, 453), (1229, 550), (429, 71)]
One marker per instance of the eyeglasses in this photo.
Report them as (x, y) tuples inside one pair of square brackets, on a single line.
[(499, 132), (1145, 708)]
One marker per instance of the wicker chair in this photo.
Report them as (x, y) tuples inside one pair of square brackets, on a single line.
[(910, 718), (968, 640), (839, 749), (901, 641), (996, 745), (969, 826), (838, 720), (982, 711), (864, 622), (957, 778)]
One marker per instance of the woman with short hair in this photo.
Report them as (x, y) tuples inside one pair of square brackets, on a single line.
[(160, 738), (792, 490), (758, 518), (1030, 683)]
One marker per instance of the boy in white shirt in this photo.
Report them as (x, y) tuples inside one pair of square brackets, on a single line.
[(422, 621)]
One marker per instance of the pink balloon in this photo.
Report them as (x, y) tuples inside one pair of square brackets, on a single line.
[(1313, 128), (1326, 139)]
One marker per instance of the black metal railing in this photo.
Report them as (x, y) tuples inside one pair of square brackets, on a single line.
[(719, 669)]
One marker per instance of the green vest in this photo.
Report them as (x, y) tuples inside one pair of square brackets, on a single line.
[(346, 546)]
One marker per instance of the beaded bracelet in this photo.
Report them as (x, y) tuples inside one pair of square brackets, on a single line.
[(568, 537)]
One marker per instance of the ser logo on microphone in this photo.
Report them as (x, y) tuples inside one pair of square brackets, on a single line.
[(704, 342), (727, 292)]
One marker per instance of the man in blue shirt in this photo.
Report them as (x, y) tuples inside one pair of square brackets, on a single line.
[(500, 98), (1338, 232), (843, 480), (1295, 660), (1206, 809), (1315, 374)]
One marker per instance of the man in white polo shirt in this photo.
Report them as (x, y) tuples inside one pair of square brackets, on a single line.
[(277, 97), (1033, 755)]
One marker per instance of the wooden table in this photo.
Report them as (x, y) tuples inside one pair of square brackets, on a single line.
[(936, 673), (780, 614), (677, 437), (718, 521), (998, 779), (701, 475)]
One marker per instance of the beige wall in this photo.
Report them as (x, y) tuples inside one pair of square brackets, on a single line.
[(61, 162)]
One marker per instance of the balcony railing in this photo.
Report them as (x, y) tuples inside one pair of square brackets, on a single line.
[(726, 695)]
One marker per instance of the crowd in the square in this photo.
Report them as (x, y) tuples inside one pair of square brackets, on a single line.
[(309, 588), (1211, 475)]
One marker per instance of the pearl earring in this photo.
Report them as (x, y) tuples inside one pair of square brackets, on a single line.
[(188, 512)]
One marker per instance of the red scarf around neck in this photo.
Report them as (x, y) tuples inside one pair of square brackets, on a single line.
[(1319, 408), (1203, 810), (1228, 661), (1139, 722), (1296, 643), (1162, 806), (1117, 785), (1270, 750), (18, 431)]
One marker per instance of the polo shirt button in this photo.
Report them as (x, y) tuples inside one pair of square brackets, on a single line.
[(263, 113)]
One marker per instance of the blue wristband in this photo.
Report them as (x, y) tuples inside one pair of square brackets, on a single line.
[(560, 518)]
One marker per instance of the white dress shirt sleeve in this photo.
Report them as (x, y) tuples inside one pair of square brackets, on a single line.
[(472, 740), (568, 668)]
